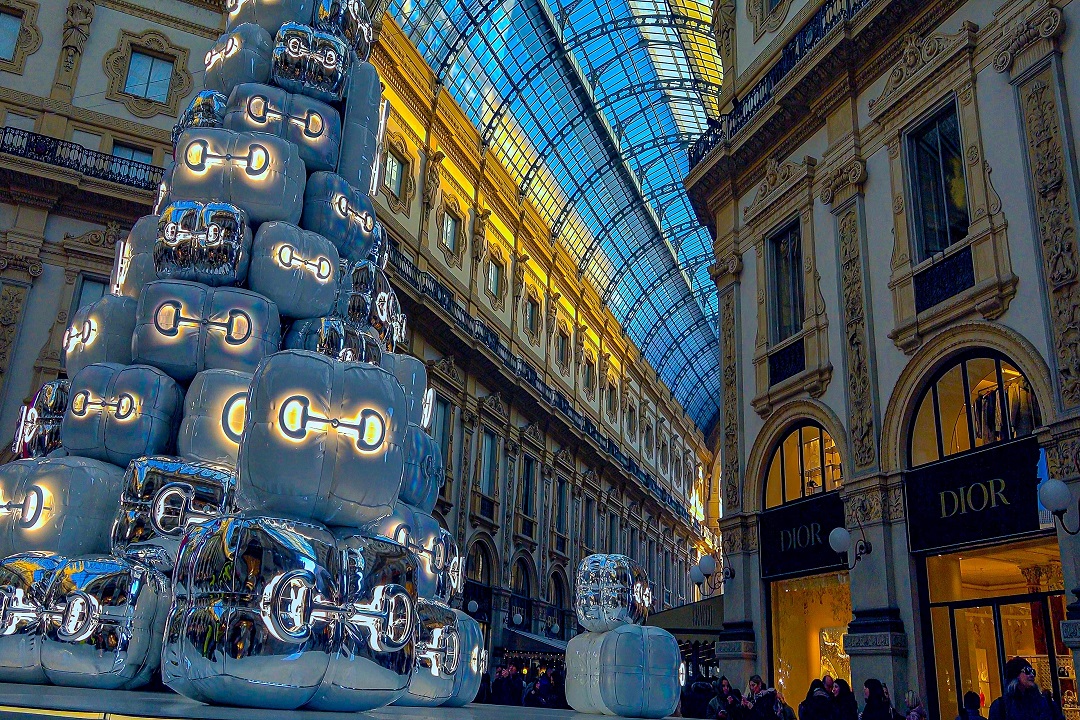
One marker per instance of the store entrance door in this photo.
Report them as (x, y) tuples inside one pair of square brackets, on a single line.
[(973, 636)]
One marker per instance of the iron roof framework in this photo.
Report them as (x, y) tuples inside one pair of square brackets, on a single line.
[(591, 106)]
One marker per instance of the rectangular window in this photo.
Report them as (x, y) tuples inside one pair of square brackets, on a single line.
[(785, 256), (494, 278), (532, 315), (561, 503), (395, 168), (528, 486), (612, 399), (440, 426), (562, 348), (613, 533), (449, 232), (10, 27), (938, 185), (135, 154), (590, 374), (149, 77), (90, 291), (633, 549), (489, 447), (589, 523)]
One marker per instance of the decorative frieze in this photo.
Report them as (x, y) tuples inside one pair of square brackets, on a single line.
[(860, 404), (878, 643), (729, 410), (1041, 26)]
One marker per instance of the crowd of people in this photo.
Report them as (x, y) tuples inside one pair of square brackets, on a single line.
[(524, 685), (833, 699)]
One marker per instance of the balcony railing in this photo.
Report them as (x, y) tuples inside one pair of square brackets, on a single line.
[(53, 151), (805, 42), (427, 284)]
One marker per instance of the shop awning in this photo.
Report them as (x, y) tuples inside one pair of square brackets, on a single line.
[(521, 641)]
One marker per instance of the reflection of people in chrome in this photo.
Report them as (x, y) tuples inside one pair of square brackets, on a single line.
[(1022, 699)]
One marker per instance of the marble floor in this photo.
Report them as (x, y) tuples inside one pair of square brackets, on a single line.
[(35, 702)]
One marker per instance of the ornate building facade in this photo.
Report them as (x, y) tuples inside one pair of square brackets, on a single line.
[(892, 189), (557, 436)]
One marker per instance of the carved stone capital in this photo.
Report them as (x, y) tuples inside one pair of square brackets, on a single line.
[(1033, 35), (843, 180)]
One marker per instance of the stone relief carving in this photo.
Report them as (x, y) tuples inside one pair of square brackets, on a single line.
[(730, 408), (848, 174), (723, 28), (551, 315), (766, 19), (777, 177), (1045, 23), (480, 244), (447, 367), (495, 404), (431, 179), (920, 55), (860, 402)]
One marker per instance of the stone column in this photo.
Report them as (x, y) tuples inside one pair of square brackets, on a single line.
[(737, 647)]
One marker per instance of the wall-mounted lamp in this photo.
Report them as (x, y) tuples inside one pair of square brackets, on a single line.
[(1056, 497), (840, 542), (516, 619), (709, 574)]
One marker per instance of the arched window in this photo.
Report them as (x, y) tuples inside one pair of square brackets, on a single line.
[(519, 579), (479, 566), (806, 462), (978, 400), (557, 592)]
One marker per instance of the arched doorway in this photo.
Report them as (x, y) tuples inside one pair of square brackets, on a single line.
[(479, 579), (520, 611), (557, 620), (989, 566)]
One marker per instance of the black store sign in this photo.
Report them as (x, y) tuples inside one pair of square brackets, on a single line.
[(795, 537), (986, 495)]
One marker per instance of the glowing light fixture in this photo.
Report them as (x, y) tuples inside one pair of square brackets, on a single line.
[(321, 267), (296, 419)]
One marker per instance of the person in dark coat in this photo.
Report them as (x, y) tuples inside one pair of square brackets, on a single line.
[(845, 704), (877, 703), (761, 700), (498, 686), (720, 703), (818, 705), (696, 697), (1022, 699), (972, 705)]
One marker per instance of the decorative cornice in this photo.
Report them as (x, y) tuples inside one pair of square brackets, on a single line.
[(494, 404), (1044, 22), (919, 59), (779, 178), (839, 182)]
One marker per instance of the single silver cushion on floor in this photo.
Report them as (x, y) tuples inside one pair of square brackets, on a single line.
[(340, 213), (438, 656), (162, 497), (100, 332), (104, 622), (313, 126), (185, 327), (63, 505), (261, 174), (310, 62), (322, 439), (134, 263), (297, 269), (214, 417), (208, 243), (242, 55), (319, 622), (117, 413), (268, 14), (24, 581), (611, 590)]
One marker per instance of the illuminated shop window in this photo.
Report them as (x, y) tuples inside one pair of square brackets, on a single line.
[(479, 566), (805, 463), (978, 400)]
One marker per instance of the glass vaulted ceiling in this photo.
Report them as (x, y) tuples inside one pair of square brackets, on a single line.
[(591, 105)]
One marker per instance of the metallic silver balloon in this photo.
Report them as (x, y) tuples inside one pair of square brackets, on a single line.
[(340, 213), (373, 303), (103, 623), (268, 14), (261, 174), (612, 590), (632, 671), (214, 417), (360, 127), (280, 614), (313, 126), (100, 332), (162, 496), (38, 431), (322, 439), (440, 574), (335, 337), (24, 580), (411, 372), (423, 477), (185, 328), (473, 664), (207, 108), (348, 18), (64, 505), (310, 62), (242, 55), (134, 263), (120, 412), (297, 269), (208, 243), (438, 656)]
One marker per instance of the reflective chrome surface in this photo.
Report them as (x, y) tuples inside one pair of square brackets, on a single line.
[(207, 108), (297, 269), (38, 431), (100, 332), (277, 613), (611, 590), (208, 243), (411, 372), (162, 497), (103, 623), (440, 574), (240, 56), (360, 127), (438, 655), (334, 337), (214, 417), (322, 439), (348, 18), (259, 173), (311, 62), (313, 126), (117, 413), (373, 303), (24, 580), (134, 263), (473, 664), (340, 213), (269, 14), (423, 477), (185, 327)]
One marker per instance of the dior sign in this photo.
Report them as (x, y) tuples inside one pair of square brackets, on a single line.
[(794, 537)]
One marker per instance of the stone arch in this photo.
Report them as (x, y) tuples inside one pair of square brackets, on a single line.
[(558, 575), (488, 544), (939, 351), (525, 560), (779, 422)]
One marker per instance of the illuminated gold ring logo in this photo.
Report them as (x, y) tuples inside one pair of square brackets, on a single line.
[(365, 219), (231, 412), (321, 267), (169, 317), (296, 419), (29, 509), (216, 55), (259, 110), (84, 334), (198, 157), (122, 408)]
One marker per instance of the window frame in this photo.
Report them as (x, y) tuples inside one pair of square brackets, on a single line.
[(18, 18), (795, 283), (777, 455), (527, 487), (154, 58), (394, 186), (489, 462), (562, 348), (453, 221), (28, 37)]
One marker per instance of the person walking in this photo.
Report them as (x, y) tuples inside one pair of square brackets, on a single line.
[(696, 697), (845, 703), (972, 705), (877, 705), (818, 704), (1022, 699)]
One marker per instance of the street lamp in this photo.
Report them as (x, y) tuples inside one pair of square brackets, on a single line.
[(709, 574), (1055, 497)]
